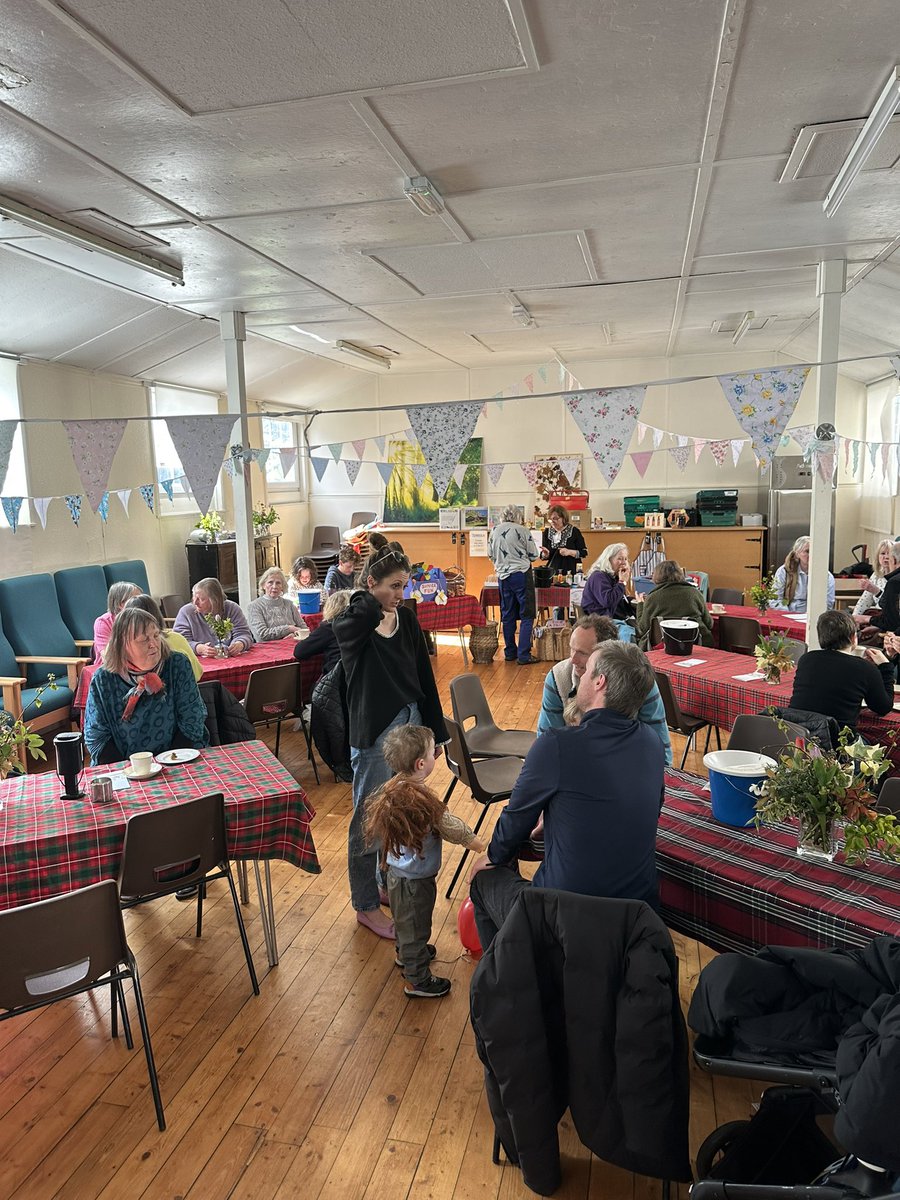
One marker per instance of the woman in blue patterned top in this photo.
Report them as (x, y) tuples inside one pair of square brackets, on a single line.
[(144, 697)]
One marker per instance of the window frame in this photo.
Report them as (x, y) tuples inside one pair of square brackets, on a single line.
[(276, 482)]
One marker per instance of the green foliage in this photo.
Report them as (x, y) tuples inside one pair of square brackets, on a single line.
[(211, 522), (773, 657), (221, 626), (14, 734), (762, 594), (264, 517)]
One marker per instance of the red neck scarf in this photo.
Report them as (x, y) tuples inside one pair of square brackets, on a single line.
[(144, 681)]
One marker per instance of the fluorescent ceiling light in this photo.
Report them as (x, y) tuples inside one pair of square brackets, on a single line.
[(876, 123), (424, 195), (743, 326), (364, 352), (308, 333), (521, 314), (63, 231)]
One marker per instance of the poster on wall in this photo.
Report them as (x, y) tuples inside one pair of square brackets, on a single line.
[(410, 497), (448, 518), (478, 543), (475, 518), (556, 475)]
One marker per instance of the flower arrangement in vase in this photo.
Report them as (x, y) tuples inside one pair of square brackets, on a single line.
[(15, 736), (222, 627), (763, 593), (773, 657), (211, 524), (821, 788), (264, 517)]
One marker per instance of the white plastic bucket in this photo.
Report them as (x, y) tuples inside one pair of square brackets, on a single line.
[(680, 636), (731, 775)]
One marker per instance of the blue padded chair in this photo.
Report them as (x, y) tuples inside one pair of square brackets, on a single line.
[(81, 592), (130, 571), (32, 622), (19, 700)]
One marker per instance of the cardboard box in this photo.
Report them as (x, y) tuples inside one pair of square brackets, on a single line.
[(580, 517)]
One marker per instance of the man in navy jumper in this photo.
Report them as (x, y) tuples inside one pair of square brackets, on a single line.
[(599, 787)]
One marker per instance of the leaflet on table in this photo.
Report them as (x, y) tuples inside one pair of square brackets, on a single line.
[(799, 617), (752, 675), (690, 662), (119, 781)]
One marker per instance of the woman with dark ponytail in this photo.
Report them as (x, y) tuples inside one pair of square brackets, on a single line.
[(389, 683)]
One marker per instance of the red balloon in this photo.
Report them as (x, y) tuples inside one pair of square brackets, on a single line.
[(468, 931)]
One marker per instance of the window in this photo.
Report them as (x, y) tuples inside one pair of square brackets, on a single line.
[(279, 435), (176, 402), (16, 476)]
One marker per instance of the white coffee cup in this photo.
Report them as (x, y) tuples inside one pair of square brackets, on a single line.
[(141, 764)]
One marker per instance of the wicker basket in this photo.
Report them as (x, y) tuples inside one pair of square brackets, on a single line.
[(551, 644), (483, 642), (456, 581)]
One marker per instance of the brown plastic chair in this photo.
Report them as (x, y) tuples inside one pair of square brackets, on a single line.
[(361, 518), (726, 596), (489, 780), (763, 734), (170, 606), (889, 796), (485, 739), (685, 724), (273, 694), (739, 635), (67, 945), (656, 633), (796, 649), (326, 540), (176, 847)]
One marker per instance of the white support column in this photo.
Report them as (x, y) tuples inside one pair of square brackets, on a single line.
[(831, 283), (233, 335)]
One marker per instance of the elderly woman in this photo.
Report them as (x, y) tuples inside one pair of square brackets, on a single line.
[(874, 585), (888, 620), (511, 553), (792, 580), (562, 546), (208, 599), (176, 643), (271, 614), (674, 598), (144, 697), (604, 592), (833, 680), (322, 639), (119, 595)]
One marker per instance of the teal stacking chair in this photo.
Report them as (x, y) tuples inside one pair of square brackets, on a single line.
[(130, 571), (18, 697), (81, 592)]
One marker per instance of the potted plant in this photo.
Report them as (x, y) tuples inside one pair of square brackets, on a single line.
[(773, 657), (15, 734), (762, 594), (821, 788), (222, 627), (264, 517), (211, 525)]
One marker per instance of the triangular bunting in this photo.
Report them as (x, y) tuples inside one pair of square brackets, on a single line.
[(641, 432), (443, 432), (569, 468), (529, 382), (606, 418), (319, 465), (763, 402), (124, 495), (658, 435), (231, 466), (103, 508), (495, 470), (699, 443), (11, 507), (872, 447), (352, 467), (542, 371), (7, 434), (803, 435), (737, 445), (718, 449), (73, 504), (895, 363), (288, 458), (41, 507), (846, 442), (385, 470), (419, 471), (262, 457), (682, 439), (825, 466), (530, 471), (360, 447), (680, 454), (168, 486), (94, 445), (146, 490), (200, 444), (380, 442), (641, 460), (856, 449), (459, 473), (337, 449), (885, 456)]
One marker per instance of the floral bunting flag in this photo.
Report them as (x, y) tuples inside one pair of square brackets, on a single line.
[(763, 402), (168, 486), (495, 470), (825, 465), (699, 443), (530, 471), (641, 432), (11, 507), (380, 442), (73, 504), (359, 445), (443, 432), (7, 434), (458, 474), (569, 468), (230, 466), (409, 435), (872, 447), (606, 418), (885, 456), (803, 435), (319, 465), (262, 457), (41, 507), (529, 382), (94, 445), (737, 445), (352, 467), (718, 449), (419, 471), (124, 495), (641, 460), (146, 490), (680, 454), (846, 442), (856, 449), (337, 449), (385, 470), (200, 445), (682, 439), (542, 371), (288, 457), (103, 508), (658, 435)]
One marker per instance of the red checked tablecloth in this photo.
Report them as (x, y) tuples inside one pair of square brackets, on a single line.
[(709, 690), (49, 846), (739, 889), (770, 623), (545, 597), (455, 614)]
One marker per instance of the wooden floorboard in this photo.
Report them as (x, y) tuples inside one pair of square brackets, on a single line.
[(330, 1085)]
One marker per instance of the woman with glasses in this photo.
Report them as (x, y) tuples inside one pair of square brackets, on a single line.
[(144, 697), (389, 683)]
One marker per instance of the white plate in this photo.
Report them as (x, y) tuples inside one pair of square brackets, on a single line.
[(173, 757), (154, 770)]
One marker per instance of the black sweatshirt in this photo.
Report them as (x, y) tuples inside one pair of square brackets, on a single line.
[(385, 674), (320, 641), (836, 684)]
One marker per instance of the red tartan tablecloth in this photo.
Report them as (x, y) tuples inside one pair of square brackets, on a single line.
[(770, 623), (710, 690), (49, 846), (545, 597), (457, 612), (739, 889)]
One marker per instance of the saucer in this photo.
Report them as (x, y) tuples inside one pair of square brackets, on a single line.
[(154, 770), (169, 757)]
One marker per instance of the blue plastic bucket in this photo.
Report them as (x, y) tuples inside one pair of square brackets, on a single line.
[(309, 601), (732, 773)]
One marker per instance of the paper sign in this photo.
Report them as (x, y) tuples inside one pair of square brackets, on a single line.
[(752, 675), (800, 618), (478, 543), (690, 662), (119, 781)]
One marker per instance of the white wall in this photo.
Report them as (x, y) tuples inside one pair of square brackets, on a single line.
[(879, 504)]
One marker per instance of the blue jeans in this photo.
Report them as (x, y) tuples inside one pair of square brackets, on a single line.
[(517, 604), (370, 771)]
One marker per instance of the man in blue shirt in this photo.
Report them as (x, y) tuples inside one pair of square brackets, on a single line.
[(599, 788)]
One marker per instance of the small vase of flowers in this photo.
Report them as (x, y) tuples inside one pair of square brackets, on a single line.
[(211, 524), (763, 594), (773, 657), (264, 517), (222, 627)]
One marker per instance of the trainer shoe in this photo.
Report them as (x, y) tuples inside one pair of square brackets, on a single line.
[(398, 961), (526, 661), (432, 989)]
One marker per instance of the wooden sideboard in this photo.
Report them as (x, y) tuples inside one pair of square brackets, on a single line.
[(218, 560), (732, 555)]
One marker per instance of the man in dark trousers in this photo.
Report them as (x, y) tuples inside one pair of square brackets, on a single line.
[(598, 786)]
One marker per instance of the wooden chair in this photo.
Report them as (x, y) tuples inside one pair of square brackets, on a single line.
[(67, 945), (683, 723), (739, 635), (726, 596)]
